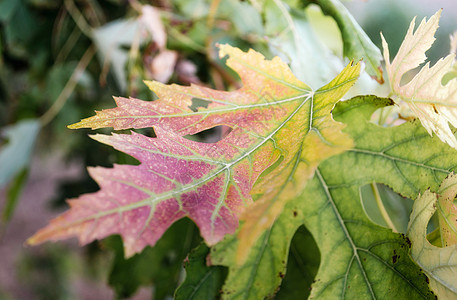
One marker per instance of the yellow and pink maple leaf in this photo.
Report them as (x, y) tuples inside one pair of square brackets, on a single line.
[(280, 131)]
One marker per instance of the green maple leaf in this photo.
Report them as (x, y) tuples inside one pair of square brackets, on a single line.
[(359, 259)]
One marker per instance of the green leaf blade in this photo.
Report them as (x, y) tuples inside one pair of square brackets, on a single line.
[(359, 258), (356, 44), (202, 281)]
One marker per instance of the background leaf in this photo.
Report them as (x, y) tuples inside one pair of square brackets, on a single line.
[(15, 155), (302, 266), (14, 161), (202, 281), (159, 266), (381, 203), (292, 38), (356, 44), (13, 194)]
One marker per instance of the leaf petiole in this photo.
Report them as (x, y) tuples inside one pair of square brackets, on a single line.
[(382, 209)]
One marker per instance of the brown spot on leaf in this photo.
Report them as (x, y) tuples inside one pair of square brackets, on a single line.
[(394, 259), (408, 241)]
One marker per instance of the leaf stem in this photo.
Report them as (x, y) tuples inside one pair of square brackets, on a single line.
[(78, 17), (69, 87), (212, 13), (381, 207)]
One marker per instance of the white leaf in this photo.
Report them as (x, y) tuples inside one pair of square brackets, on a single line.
[(152, 22), (434, 104)]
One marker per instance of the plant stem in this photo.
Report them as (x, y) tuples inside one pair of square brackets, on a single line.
[(381, 207), (69, 87), (212, 13), (78, 18)]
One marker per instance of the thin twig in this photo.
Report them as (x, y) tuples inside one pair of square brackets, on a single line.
[(78, 18), (212, 13), (68, 45), (69, 87)]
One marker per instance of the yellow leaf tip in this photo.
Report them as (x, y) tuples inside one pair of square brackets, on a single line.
[(74, 126), (33, 240), (224, 49)]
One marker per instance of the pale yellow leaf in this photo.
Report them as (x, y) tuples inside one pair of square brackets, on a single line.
[(453, 42), (432, 102), (439, 264)]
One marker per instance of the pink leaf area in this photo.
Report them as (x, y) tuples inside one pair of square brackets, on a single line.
[(271, 118), (176, 178)]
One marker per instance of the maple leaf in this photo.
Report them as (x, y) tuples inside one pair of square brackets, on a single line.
[(279, 125), (432, 102), (439, 264), (358, 259)]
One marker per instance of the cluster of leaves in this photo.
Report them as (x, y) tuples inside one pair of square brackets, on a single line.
[(277, 200)]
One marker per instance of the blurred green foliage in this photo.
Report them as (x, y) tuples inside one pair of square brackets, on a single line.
[(159, 266)]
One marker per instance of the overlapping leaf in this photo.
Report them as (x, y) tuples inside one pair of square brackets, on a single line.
[(447, 212), (356, 43), (440, 264), (202, 281), (276, 121), (293, 39), (376, 262), (432, 102), (359, 259)]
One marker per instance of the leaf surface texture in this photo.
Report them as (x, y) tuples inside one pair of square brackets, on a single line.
[(276, 121)]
